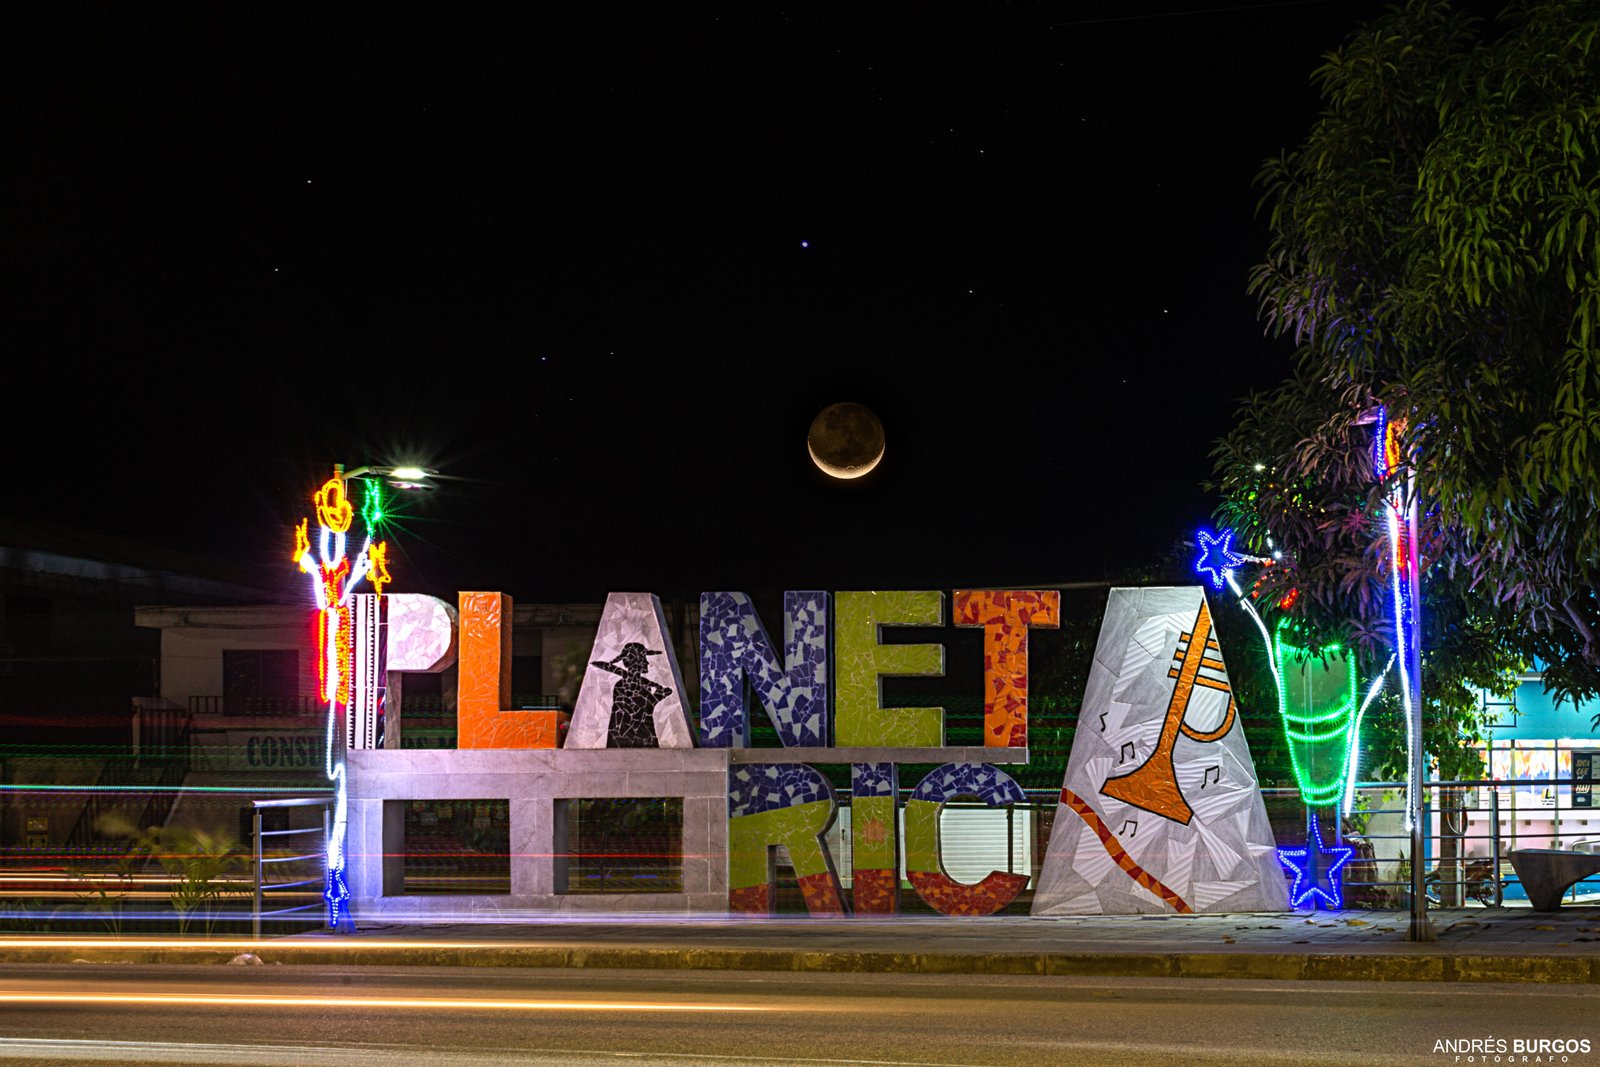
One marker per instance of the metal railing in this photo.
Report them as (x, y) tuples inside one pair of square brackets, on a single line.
[(265, 707), (261, 861), (1471, 827)]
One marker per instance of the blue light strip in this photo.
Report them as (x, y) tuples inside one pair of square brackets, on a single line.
[(1402, 532)]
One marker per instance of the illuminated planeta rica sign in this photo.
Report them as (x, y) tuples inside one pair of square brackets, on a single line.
[(1159, 812)]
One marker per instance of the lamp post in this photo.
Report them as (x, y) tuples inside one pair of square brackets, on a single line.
[(1405, 578), (334, 576)]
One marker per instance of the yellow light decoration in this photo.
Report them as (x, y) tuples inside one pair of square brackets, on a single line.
[(333, 507), (378, 570), (302, 546)]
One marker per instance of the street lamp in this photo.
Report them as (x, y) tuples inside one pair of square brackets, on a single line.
[(407, 478)]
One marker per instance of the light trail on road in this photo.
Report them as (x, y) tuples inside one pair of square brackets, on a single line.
[(429, 1003), (320, 1015)]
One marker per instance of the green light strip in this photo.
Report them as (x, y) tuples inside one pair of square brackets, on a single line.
[(1300, 728)]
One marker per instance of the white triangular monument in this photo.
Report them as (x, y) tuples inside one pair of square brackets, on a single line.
[(632, 695), (1161, 811)]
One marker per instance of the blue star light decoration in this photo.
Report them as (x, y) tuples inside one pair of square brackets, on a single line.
[(1217, 557), (1316, 871)]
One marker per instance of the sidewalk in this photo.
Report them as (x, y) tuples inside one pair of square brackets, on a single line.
[(1478, 944)]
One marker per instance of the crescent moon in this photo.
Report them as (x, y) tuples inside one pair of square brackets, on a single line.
[(845, 441)]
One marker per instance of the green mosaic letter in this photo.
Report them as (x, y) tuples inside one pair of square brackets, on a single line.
[(860, 663)]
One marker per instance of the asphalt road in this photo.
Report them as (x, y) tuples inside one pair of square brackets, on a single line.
[(452, 1017)]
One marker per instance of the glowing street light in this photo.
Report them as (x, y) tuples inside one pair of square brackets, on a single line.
[(403, 477)]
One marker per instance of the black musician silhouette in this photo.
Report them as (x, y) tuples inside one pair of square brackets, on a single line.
[(633, 698)]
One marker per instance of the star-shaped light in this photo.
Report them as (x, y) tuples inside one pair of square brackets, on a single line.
[(1316, 870), (1217, 557)]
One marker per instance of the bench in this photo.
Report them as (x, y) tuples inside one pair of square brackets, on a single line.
[(1546, 873)]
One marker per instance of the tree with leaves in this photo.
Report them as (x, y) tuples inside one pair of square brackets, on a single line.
[(1435, 248), (1296, 480)]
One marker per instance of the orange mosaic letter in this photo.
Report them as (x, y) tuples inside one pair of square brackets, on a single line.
[(1005, 618), (483, 687)]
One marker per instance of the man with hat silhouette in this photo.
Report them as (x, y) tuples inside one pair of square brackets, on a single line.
[(633, 698)]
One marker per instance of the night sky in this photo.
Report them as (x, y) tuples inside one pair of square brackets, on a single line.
[(602, 268)]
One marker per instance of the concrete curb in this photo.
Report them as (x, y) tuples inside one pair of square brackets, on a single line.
[(1366, 967)]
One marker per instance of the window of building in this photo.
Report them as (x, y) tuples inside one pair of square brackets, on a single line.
[(261, 681)]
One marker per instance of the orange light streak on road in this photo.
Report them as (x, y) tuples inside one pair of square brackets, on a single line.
[(454, 1004)]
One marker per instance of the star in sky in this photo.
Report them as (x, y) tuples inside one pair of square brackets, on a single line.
[(1316, 870), (1217, 557)]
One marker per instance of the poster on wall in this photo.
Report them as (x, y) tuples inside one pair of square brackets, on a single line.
[(1583, 768)]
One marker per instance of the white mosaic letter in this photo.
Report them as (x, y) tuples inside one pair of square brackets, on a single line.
[(632, 695), (422, 633), (1160, 810)]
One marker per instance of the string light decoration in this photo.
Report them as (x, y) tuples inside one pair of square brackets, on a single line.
[(1217, 557), (1355, 736), (1324, 737), (1400, 524), (1317, 870), (1320, 734), (334, 578)]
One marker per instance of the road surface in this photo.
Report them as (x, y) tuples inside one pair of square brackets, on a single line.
[(244, 1015)]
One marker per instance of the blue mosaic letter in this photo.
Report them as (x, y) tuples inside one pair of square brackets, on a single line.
[(734, 646)]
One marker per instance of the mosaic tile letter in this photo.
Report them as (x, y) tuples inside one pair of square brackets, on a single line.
[(632, 695), (422, 633), (874, 852), (734, 646), (483, 683), (1160, 810), (772, 804), (925, 868), (1005, 618), (860, 664)]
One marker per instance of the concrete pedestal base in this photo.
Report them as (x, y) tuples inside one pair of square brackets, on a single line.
[(536, 783)]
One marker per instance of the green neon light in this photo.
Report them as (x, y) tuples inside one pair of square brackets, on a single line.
[(1311, 737), (1321, 736), (373, 514)]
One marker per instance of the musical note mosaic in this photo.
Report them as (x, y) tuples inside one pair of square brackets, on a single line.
[(1160, 809)]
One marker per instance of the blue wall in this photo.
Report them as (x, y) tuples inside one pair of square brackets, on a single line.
[(1539, 717)]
